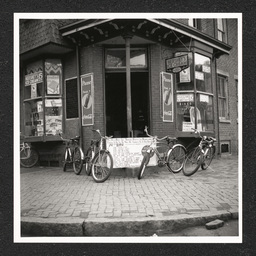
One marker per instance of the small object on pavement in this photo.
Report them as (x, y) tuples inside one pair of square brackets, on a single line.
[(214, 224)]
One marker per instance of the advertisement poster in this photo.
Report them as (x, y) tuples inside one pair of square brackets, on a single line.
[(53, 84), (87, 99), (126, 152), (34, 78), (167, 96)]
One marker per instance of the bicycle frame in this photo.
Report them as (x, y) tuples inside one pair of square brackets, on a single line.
[(26, 148)]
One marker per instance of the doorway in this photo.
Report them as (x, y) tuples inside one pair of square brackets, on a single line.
[(115, 96)]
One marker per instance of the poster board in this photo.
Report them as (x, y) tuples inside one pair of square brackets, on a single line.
[(126, 152), (87, 99), (167, 96)]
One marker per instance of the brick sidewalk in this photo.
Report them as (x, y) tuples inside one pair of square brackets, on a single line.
[(53, 195)]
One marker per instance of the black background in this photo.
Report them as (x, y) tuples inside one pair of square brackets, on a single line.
[(247, 8)]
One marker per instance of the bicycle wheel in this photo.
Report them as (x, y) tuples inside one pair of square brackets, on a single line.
[(65, 160), (208, 158), (88, 160), (143, 165), (192, 162), (175, 158), (77, 160), (102, 165), (31, 160)]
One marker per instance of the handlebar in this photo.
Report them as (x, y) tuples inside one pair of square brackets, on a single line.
[(68, 140), (205, 138), (155, 137), (103, 137)]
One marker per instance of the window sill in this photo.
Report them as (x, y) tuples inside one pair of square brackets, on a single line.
[(224, 121)]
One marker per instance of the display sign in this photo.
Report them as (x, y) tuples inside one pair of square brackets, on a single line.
[(167, 96), (176, 64), (34, 78), (87, 99), (53, 84), (126, 152)]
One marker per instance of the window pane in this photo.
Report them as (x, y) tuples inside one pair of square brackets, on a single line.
[(185, 102), (71, 98), (33, 118), (204, 113), (53, 71), (53, 116), (220, 24), (116, 58), (203, 73)]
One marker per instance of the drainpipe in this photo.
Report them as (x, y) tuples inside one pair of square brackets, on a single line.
[(217, 103), (79, 94)]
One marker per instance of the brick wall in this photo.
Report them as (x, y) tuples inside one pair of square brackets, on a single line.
[(228, 64)]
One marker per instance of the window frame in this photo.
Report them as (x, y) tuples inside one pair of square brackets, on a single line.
[(225, 98), (221, 31)]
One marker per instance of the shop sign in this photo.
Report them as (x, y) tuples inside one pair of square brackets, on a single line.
[(87, 99), (176, 64), (185, 97), (34, 78), (126, 152), (167, 96)]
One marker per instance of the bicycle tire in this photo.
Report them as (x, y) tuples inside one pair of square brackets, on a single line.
[(64, 168), (102, 165), (208, 158), (88, 161), (143, 165), (192, 162), (176, 158), (32, 160), (77, 160)]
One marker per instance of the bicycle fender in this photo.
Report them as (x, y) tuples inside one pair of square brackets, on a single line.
[(176, 145)]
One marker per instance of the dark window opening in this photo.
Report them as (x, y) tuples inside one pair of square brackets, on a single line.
[(71, 98)]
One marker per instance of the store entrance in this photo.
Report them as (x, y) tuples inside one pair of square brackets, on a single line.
[(116, 105)]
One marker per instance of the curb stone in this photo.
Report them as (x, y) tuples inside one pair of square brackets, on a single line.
[(116, 227)]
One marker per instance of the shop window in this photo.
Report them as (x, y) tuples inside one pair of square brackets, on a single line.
[(42, 98), (71, 98), (116, 58), (194, 96), (221, 30), (223, 97)]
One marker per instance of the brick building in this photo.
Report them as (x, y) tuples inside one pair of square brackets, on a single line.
[(74, 75)]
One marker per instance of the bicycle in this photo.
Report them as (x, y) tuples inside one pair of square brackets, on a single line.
[(90, 153), (173, 157), (29, 156), (101, 164), (201, 155), (73, 154)]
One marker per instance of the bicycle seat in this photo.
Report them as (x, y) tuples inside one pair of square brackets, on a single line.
[(75, 138)]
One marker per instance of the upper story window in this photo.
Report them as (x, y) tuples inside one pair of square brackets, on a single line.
[(222, 30), (116, 58), (196, 23)]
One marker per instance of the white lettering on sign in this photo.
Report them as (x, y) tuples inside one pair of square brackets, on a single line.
[(185, 98), (204, 98), (126, 152), (168, 113)]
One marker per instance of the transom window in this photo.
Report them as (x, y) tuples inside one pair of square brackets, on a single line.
[(116, 58)]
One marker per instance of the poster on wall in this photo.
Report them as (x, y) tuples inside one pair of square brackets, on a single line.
[(87, 87), (167, 96)]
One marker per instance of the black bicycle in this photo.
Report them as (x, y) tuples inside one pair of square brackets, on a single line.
[(201, 155), (73, 154), (173, 157), (98, 160)]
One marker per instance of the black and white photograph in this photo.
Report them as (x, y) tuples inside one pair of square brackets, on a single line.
[(130, 127)]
